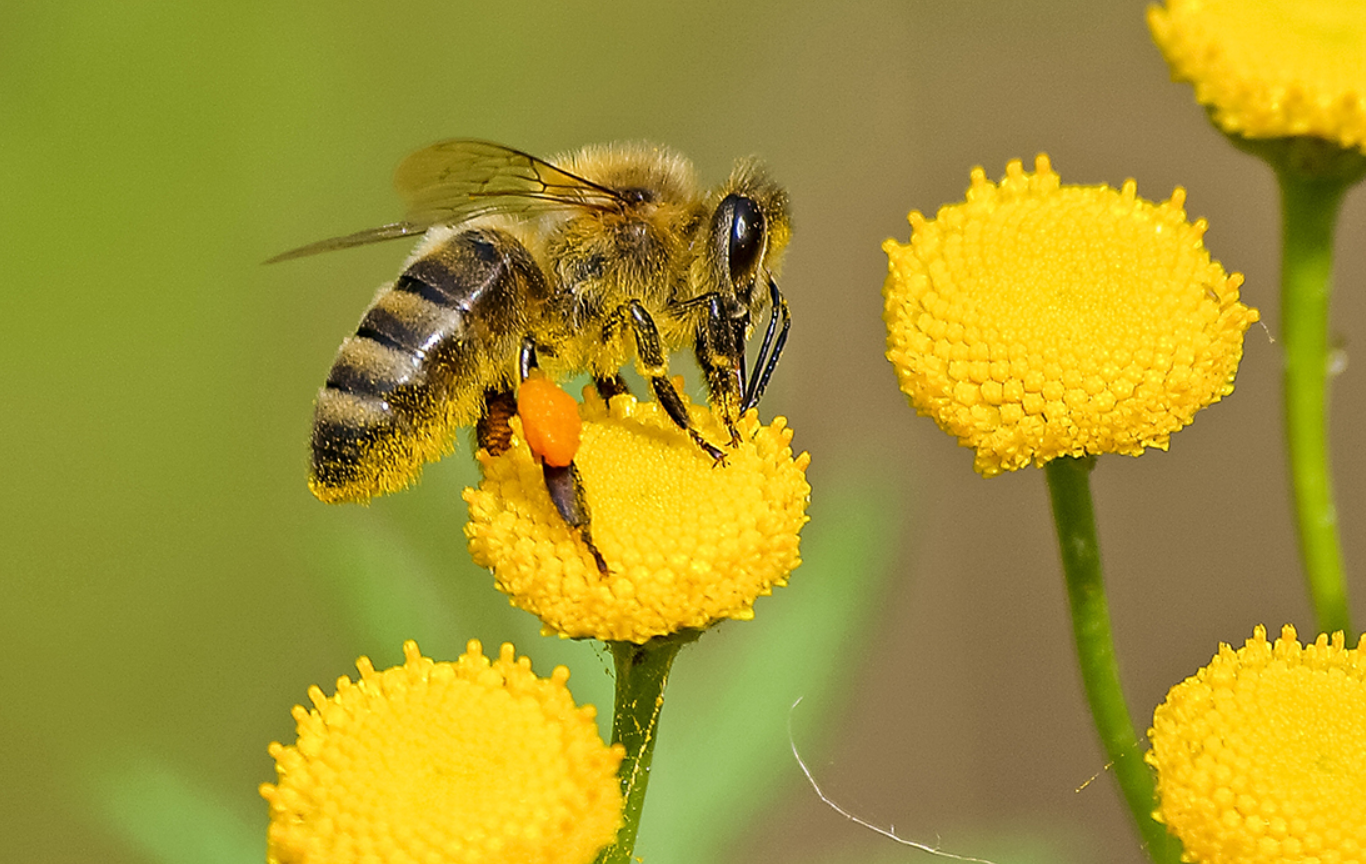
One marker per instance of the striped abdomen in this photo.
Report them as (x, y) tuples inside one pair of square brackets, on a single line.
[(419, 363)]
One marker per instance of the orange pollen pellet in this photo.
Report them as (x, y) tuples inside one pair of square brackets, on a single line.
[(550, 420)]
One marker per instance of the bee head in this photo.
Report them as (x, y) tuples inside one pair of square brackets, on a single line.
[(734, 273), (750, 227)]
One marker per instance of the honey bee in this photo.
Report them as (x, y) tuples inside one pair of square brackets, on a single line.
[(598, 258)]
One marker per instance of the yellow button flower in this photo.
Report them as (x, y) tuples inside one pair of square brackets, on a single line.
[(1036, 320), (471, 762), (687, 542), (1271, 69), (1261, 756)]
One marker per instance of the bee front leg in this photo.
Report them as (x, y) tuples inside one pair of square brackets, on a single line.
[(721, 354), (650, 349)]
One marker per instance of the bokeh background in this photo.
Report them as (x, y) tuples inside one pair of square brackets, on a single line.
[(168, 587)]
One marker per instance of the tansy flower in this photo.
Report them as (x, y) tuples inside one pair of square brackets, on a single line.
[(687, 541), (1287, 68), (1261, 756), (1036, 320), (464, 762)]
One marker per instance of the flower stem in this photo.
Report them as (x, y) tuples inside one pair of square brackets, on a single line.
[(1069, 487), (1310, 206), (642, 673)]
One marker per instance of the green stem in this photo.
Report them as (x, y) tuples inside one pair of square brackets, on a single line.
[(1069, 487), (642, 673), (1310, 208)]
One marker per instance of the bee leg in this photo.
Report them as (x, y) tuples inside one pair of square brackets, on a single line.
[(564, 483), (609, 387), (491, 431), (526, 359), (651, 352), (720, 348), (565, 486)]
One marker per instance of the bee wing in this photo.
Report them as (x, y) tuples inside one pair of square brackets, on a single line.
[(392, 231), (455, 181), (452, 181)]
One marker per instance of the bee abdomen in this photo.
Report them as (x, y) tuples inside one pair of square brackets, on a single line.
[(368, 367), (351, 434), (419, 363)]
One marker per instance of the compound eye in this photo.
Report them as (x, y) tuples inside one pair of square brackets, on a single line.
[(746, 239)]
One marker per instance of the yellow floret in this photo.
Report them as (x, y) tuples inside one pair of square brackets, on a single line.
[(1261, 755), (688, 542), (471, 762), (1272, 69), (1036, 320)]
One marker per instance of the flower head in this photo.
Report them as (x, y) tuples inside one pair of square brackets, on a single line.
[(1036, 320), (687, 541), (1261, 755), (465, 762), (1290, 68)]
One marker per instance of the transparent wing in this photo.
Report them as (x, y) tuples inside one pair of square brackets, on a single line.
[(392, 231), (454, 181)]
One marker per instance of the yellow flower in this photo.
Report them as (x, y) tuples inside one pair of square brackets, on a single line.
[(1036, 320), (687, 542), (459, 763), (1261, 756), (1271, 69)]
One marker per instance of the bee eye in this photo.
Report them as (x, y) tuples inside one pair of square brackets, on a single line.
[(746, 238)]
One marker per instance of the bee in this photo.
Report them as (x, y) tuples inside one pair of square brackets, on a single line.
[(599, 258)]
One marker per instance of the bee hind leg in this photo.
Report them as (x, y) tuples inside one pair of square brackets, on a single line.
[(565, 486), (564, 483), (491, 431)]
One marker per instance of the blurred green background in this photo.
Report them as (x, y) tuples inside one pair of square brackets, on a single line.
[(170, 588)]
